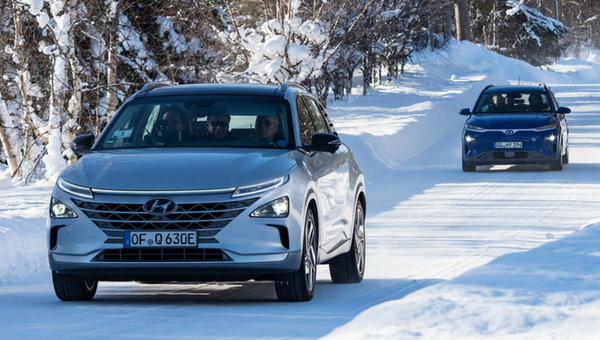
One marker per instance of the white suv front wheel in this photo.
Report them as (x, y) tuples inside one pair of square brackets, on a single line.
[(301, 284), (73, 290)]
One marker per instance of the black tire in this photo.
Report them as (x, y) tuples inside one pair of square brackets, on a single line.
[(301, 284), (73, 290), (558, 165), (350, 267), (565, 157), (467, 167)]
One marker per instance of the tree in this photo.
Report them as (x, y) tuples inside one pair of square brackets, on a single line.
[(532, 36), (463, 23), (295, 41)]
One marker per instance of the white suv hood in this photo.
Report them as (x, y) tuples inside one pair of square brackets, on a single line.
[(179, 168)]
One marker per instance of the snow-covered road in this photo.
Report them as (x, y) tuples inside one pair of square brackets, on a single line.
[(428, 223)]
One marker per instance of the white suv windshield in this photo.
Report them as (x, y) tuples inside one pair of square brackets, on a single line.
[(198, 121)]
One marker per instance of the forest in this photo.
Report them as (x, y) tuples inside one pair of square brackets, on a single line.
[(67, 65)]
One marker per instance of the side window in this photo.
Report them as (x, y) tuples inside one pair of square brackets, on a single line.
[(316, 115), (151, 120), (306, 126), (123, 132)]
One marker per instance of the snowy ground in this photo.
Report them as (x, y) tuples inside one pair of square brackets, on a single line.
[(508, 252)]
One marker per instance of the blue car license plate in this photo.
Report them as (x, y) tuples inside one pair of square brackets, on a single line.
[(508, 145)]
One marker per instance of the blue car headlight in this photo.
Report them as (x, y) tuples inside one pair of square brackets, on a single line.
[(473, 127), (469, 139), (548, 126)]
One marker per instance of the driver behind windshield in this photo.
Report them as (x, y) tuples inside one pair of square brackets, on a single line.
[(535, 103), (172, 129), (497, 104)]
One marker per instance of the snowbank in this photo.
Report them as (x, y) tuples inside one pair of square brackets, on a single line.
[(22, 229), (550, 292)]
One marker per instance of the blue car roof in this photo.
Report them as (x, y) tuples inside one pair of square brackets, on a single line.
[(515, 88)]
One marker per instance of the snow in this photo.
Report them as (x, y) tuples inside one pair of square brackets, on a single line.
[(508, 252), (35, 6), (279, 50)]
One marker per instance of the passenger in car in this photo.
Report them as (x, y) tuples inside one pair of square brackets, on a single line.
[(509, 103), (267, 127), (217, 127)]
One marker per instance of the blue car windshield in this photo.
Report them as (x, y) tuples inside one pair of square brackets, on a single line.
[(201, 121), (513, 102)]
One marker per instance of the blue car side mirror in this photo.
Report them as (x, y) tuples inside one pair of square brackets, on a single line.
[(465, 112), (563, 110)]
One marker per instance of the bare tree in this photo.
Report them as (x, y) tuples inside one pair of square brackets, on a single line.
[(7, 146), (463, 21), (112, 58)]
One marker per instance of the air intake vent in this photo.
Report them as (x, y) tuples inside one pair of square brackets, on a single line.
[(162, 255)]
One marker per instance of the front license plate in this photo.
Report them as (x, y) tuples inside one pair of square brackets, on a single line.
[(159, 239), (508, 145)]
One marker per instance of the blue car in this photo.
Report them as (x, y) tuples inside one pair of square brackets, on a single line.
[(516, 124)]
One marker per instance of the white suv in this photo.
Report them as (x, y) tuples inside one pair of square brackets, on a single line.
[(163, 196)]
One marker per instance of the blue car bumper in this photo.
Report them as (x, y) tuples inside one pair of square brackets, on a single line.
[(523, 147)]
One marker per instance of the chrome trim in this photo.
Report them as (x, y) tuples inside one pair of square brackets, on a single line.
[(162, 222), (515, 130), (164, 192)]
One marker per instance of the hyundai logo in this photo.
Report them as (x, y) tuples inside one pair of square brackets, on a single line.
[(509, 132), (160, 206)]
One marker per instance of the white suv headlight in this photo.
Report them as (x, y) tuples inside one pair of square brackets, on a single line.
[(260, 187), (60, 210), (276, 208), (75, 189)]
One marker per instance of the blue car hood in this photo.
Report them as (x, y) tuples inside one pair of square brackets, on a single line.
[(511, 120), (178, 169)]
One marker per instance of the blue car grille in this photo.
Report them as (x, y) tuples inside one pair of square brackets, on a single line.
[(207, 218), (513, 155)]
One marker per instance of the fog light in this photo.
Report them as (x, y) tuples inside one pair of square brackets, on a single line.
[(276, 208), (550, 138), (60, 210), (469, 139)]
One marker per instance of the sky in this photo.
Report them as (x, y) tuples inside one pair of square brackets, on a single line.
[(507, 252)]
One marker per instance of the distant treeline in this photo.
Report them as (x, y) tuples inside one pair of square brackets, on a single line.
[(66, 65)]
